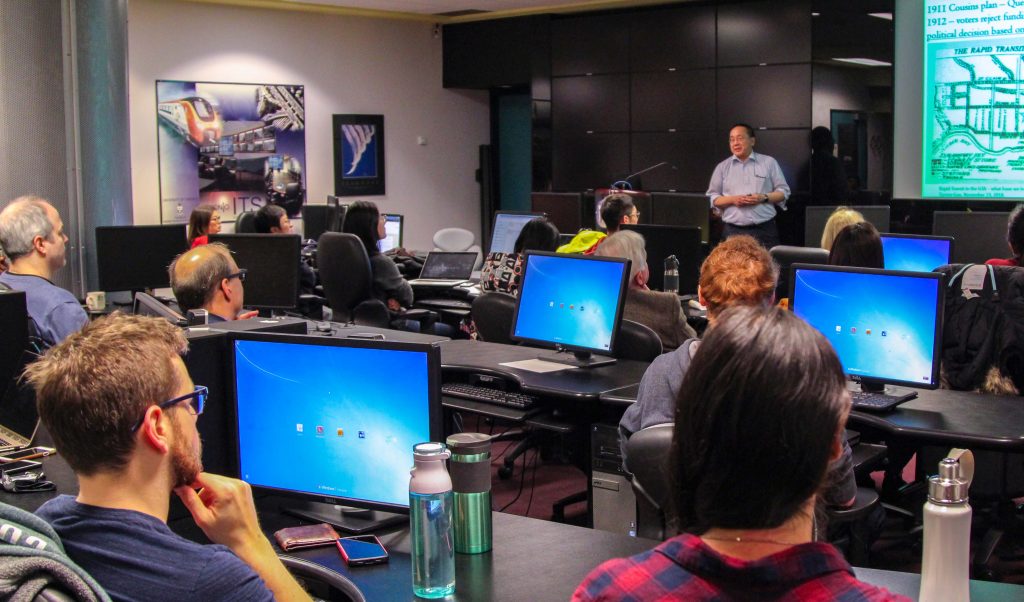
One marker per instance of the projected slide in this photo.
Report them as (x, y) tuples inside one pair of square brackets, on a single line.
[(974, 104)]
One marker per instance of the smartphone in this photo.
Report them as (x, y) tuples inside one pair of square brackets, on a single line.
[(360, 550), (19, 466), (34, 452)]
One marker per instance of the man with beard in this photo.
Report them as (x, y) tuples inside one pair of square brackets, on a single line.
[(122, 410)]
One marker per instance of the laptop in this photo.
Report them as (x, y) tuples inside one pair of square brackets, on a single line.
[(19, 417), (445, 269)]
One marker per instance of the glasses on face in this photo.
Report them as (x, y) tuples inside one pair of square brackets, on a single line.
[(196, 402), (240, 274)]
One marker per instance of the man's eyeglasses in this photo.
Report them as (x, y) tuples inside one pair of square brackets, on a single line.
[(240, 274), (196, 402)]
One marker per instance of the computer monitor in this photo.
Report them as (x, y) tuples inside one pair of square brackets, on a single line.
[(333, 421), (393, 224), (979, 235), (661, 241), (340, 210), (885, 326), (147, 305), (573, 302), (135, 258), (817, 216), (272, 261), (19, 417), (507, 226), (916, 252), (14, 325)]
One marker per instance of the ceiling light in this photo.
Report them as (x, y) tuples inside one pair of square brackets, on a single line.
[(866, 62), (886, 16)]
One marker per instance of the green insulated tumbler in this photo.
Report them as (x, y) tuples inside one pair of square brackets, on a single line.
[(470, 467)]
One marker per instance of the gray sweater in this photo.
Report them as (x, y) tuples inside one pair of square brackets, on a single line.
[(388, 282)]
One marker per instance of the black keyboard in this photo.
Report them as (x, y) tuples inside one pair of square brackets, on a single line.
[(878, 402), (520, 401), (444, 304)]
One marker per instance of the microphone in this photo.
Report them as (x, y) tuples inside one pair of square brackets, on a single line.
[(624, 184)]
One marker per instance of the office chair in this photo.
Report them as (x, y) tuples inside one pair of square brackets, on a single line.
[(457, 239), (322, 582), (492, 314), (637, 342), (348, 284), (245, 223), (785, 256)]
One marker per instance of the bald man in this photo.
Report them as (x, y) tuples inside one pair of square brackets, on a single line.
[(207, 277), (33, 239)]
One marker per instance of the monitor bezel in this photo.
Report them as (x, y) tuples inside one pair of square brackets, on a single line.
[(434, 410), (939, 316), (494, 224), (617, 325), (293, 276), (103, 268), (950, 239)]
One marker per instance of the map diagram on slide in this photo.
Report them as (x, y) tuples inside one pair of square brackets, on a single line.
[(978, 118)]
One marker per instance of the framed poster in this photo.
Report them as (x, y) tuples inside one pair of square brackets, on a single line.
[(234, 146), (358, 155)]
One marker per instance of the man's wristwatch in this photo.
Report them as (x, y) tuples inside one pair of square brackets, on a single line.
[(766, 199)]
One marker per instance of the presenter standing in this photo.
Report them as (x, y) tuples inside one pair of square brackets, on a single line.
[(746, 187)]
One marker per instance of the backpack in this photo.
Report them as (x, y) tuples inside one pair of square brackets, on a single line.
[(983, 324), (33, 564)]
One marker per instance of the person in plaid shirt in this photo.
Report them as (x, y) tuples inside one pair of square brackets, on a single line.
[(760, 414)]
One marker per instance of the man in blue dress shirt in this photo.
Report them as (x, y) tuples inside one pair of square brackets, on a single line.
[(32, 237), (746, 187)]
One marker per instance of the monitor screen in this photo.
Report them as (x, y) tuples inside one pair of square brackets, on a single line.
[(912, 253), (133, 258), (273, 264), (507, 227), (341, 424), (885, 326), (450, 265), (392, 232), (571, 300)]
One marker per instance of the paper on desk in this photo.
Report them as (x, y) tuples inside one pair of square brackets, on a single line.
[(539, 366)]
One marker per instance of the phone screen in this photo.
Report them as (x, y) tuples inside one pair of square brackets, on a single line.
[(18, 466), (362, 551)]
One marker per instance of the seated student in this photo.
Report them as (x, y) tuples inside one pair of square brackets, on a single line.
[(102, 397), (659, 311), (365, 221), (857, 246), (272, 219), (840, 218), (207, 277), (616, 209), (204, 221), (738, 272), (32, 236), (1014, 239), (502, 272), (761, 413)]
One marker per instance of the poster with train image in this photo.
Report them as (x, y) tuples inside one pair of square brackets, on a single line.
[(234, 146)]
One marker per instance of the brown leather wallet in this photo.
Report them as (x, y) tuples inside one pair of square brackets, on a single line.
[(309, 536)]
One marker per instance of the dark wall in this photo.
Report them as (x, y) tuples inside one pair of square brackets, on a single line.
[(629, 89)]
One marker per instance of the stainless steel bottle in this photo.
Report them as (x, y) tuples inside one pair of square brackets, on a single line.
[(945, 567), (471, 482)]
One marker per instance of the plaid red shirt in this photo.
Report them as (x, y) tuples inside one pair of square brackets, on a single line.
[(684, 568)]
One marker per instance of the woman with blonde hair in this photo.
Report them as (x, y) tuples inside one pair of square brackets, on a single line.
[(842, 217)]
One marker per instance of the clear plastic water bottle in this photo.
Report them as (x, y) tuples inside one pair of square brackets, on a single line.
[(671, 278), (430, 515)]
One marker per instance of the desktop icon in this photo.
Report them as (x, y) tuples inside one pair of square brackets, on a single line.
[(884, 333), (853, 330), (341, 432), (867, 331), (362, 434), (319, 430), (298, 427), (839, 328)]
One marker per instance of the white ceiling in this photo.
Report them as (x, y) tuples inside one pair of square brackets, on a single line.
[(426, 9)]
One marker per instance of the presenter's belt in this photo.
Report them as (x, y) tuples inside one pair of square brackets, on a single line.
[(749, 226)]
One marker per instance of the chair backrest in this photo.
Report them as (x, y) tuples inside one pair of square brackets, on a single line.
[(637, 342), (453, 239), (647, 454), (245, 223), (344, 272), (492, 314), (785, 256)]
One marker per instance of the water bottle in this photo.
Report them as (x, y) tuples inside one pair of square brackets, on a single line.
[(671, 279), (945, 568), (430, 516), (471, 480)]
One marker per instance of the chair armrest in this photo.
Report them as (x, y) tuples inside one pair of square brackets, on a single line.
[(372, 312)]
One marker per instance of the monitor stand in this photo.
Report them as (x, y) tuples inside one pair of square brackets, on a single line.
[(903, 393), (580, 359), (356, 521)]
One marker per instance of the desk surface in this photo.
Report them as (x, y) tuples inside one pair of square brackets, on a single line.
[(579, 383)]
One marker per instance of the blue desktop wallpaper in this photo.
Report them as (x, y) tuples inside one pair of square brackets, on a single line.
[(880, 326), (569, 301), (334, 421), (914, 254)]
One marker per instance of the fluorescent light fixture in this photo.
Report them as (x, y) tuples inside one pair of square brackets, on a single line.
[(865, 62), (815, 14), (886, 16)]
